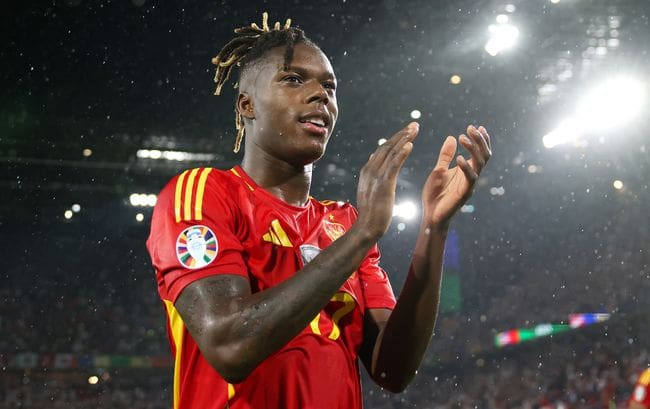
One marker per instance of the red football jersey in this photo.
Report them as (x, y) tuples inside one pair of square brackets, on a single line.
[(641, 393), (208, 222)]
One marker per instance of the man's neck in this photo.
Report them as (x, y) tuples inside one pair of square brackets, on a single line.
[(286, 182)]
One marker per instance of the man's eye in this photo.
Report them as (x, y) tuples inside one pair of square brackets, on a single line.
[(293, 78), (330, 85)]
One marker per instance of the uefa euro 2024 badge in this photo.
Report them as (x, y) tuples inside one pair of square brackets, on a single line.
[(196, 247)]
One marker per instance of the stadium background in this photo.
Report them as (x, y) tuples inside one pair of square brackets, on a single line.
[(101, 102)]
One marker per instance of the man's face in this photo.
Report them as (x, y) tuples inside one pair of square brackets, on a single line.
[(295, 109)]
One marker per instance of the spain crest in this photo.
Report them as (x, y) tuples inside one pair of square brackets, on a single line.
[(196, 247), (333, 230)]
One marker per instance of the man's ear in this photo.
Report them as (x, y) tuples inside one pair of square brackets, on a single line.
[(245, 106)]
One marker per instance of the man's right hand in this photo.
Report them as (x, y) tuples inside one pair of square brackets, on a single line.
[(378, 180)]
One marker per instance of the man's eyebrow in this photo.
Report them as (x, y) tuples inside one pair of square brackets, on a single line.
[(306, 71)]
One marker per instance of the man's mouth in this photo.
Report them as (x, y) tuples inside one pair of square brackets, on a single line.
[(314, 126), (315, 121)]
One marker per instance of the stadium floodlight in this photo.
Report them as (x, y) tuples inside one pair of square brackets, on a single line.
[(569, 130), (468, 208), (405, 210), (502, 37), (608, 105), (143, 199), (612, 103), (178, 156)]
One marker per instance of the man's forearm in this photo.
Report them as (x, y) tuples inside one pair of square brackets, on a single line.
[(250, 328), (402, 343)]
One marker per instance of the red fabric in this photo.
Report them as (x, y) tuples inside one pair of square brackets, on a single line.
[(311, 371)]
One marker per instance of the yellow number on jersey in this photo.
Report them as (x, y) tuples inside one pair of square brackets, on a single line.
[(346, 308)]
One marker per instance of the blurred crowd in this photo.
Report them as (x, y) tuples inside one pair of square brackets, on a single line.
[(116, 310), (593, 367)]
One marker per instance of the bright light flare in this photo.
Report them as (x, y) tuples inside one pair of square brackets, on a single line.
[(173, 155), (568, 131), (502, 37), (143, 199), (405, 210), (468, 208), (611, 104), (606, 106), (618, 185), (455, 79)]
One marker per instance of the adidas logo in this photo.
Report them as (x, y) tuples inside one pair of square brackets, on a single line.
[(277, 235)]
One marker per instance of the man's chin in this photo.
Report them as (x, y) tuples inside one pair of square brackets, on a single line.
[(312, 154)]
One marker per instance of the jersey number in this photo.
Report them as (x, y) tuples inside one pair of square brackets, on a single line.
[(346, 308)]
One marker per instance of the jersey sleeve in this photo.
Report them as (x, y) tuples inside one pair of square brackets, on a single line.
[(377, 291), (194, 232), (375, 284)]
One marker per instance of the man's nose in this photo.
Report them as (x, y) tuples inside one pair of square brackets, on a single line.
[(317, 93)]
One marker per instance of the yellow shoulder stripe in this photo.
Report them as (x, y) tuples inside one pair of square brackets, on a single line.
[(184, 194), (177, 328), (198, 205), (177, 196), (233, 170), (187, 202)]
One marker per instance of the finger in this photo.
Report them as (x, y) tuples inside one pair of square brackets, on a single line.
[(397, 159), (477, 160), (447, 152), (395, 155), (404, 135), (470, 174), (486, 135), (479, 140)]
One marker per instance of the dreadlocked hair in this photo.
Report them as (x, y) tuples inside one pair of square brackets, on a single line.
[(249, 45)]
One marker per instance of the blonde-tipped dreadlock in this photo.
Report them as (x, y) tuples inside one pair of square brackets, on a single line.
[(249, 45)]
